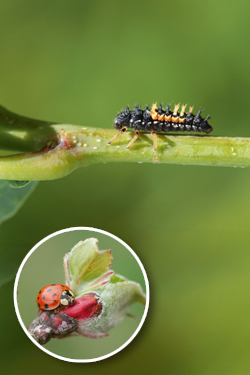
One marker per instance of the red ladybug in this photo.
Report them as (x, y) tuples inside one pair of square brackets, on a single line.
[(53, 295)]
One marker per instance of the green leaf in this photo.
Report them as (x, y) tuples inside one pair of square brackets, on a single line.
[(12, 199), (117, 299), (116, 279), (17, 184), (86, 267)]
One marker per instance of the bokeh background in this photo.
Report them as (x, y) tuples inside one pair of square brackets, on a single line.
[(49, 256), (81, 62)]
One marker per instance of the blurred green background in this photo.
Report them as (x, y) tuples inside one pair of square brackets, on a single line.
[(45, 266), (81, 62)]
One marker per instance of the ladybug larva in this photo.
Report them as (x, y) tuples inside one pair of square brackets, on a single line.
[(53, 295), (160, 120)]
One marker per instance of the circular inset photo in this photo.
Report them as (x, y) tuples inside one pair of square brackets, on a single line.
[(81, 294)]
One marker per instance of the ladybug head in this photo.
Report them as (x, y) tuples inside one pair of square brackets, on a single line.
[(67, 298), (122, 119)]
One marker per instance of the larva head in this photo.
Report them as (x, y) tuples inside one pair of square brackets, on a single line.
[(206, 128), (122, 119), (202, 124)]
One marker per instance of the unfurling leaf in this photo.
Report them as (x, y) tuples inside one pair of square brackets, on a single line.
[(87, 268)]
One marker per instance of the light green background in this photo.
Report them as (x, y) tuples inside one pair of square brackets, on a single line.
[(81, 62), (45, 266)]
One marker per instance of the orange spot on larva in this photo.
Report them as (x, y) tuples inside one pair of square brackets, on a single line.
[(168, 118), (175, 119), (183, 107), (161, 117), (176, 107), (153, 112)]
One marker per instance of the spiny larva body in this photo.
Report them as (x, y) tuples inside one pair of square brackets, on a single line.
[(160, 120)]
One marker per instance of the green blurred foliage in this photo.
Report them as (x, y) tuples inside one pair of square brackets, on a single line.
[(81, 62)]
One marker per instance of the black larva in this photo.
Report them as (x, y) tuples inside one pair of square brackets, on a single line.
[(160, 120)]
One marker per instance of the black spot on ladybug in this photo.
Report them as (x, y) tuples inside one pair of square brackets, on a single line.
[(54, 300), (43, 297), (46, 305), (54, 294), (52, 284), (160, 120), (48, 290), (39, 305), (37, 297), (39, 292), (63, 285)]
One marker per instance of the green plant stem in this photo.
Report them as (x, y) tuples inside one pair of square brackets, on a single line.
[(71, 146)]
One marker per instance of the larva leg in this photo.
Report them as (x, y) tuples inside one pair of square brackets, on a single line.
[(136, 135), (117, 135), (155, 139)]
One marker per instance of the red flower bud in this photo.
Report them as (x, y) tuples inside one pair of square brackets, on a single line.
[(85, 307)]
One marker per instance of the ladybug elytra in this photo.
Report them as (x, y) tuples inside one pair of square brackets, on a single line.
[(53, 295)]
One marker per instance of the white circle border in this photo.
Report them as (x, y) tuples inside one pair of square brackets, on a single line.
[(90, 229)]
